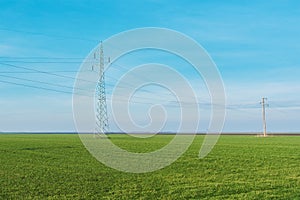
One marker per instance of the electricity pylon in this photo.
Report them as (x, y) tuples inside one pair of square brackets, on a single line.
[(102, 125), (263, 103)]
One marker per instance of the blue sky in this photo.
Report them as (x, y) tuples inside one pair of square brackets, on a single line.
[(255, 45)]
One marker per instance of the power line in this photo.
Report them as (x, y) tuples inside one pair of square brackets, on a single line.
[(41, 57), (53, 84), (38, 87), (45, 72), (228, 107), (231, 107), (63, 76), (30, 72), (44, 62), (137, 97), (54, 73), (121, 68), (42, 82)]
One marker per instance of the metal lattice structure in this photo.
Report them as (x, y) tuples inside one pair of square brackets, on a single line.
[(102, 125)]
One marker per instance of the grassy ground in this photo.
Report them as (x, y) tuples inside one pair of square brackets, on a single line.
[(239, 167)]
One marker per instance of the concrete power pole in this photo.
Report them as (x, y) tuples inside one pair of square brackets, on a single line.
[(263, 103)]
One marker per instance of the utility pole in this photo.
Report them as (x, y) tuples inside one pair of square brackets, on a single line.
[(263, 103)]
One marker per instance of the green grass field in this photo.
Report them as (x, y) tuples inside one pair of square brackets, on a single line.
[(41, 166)]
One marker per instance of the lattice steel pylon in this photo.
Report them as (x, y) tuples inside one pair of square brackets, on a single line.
[(102, 125)]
